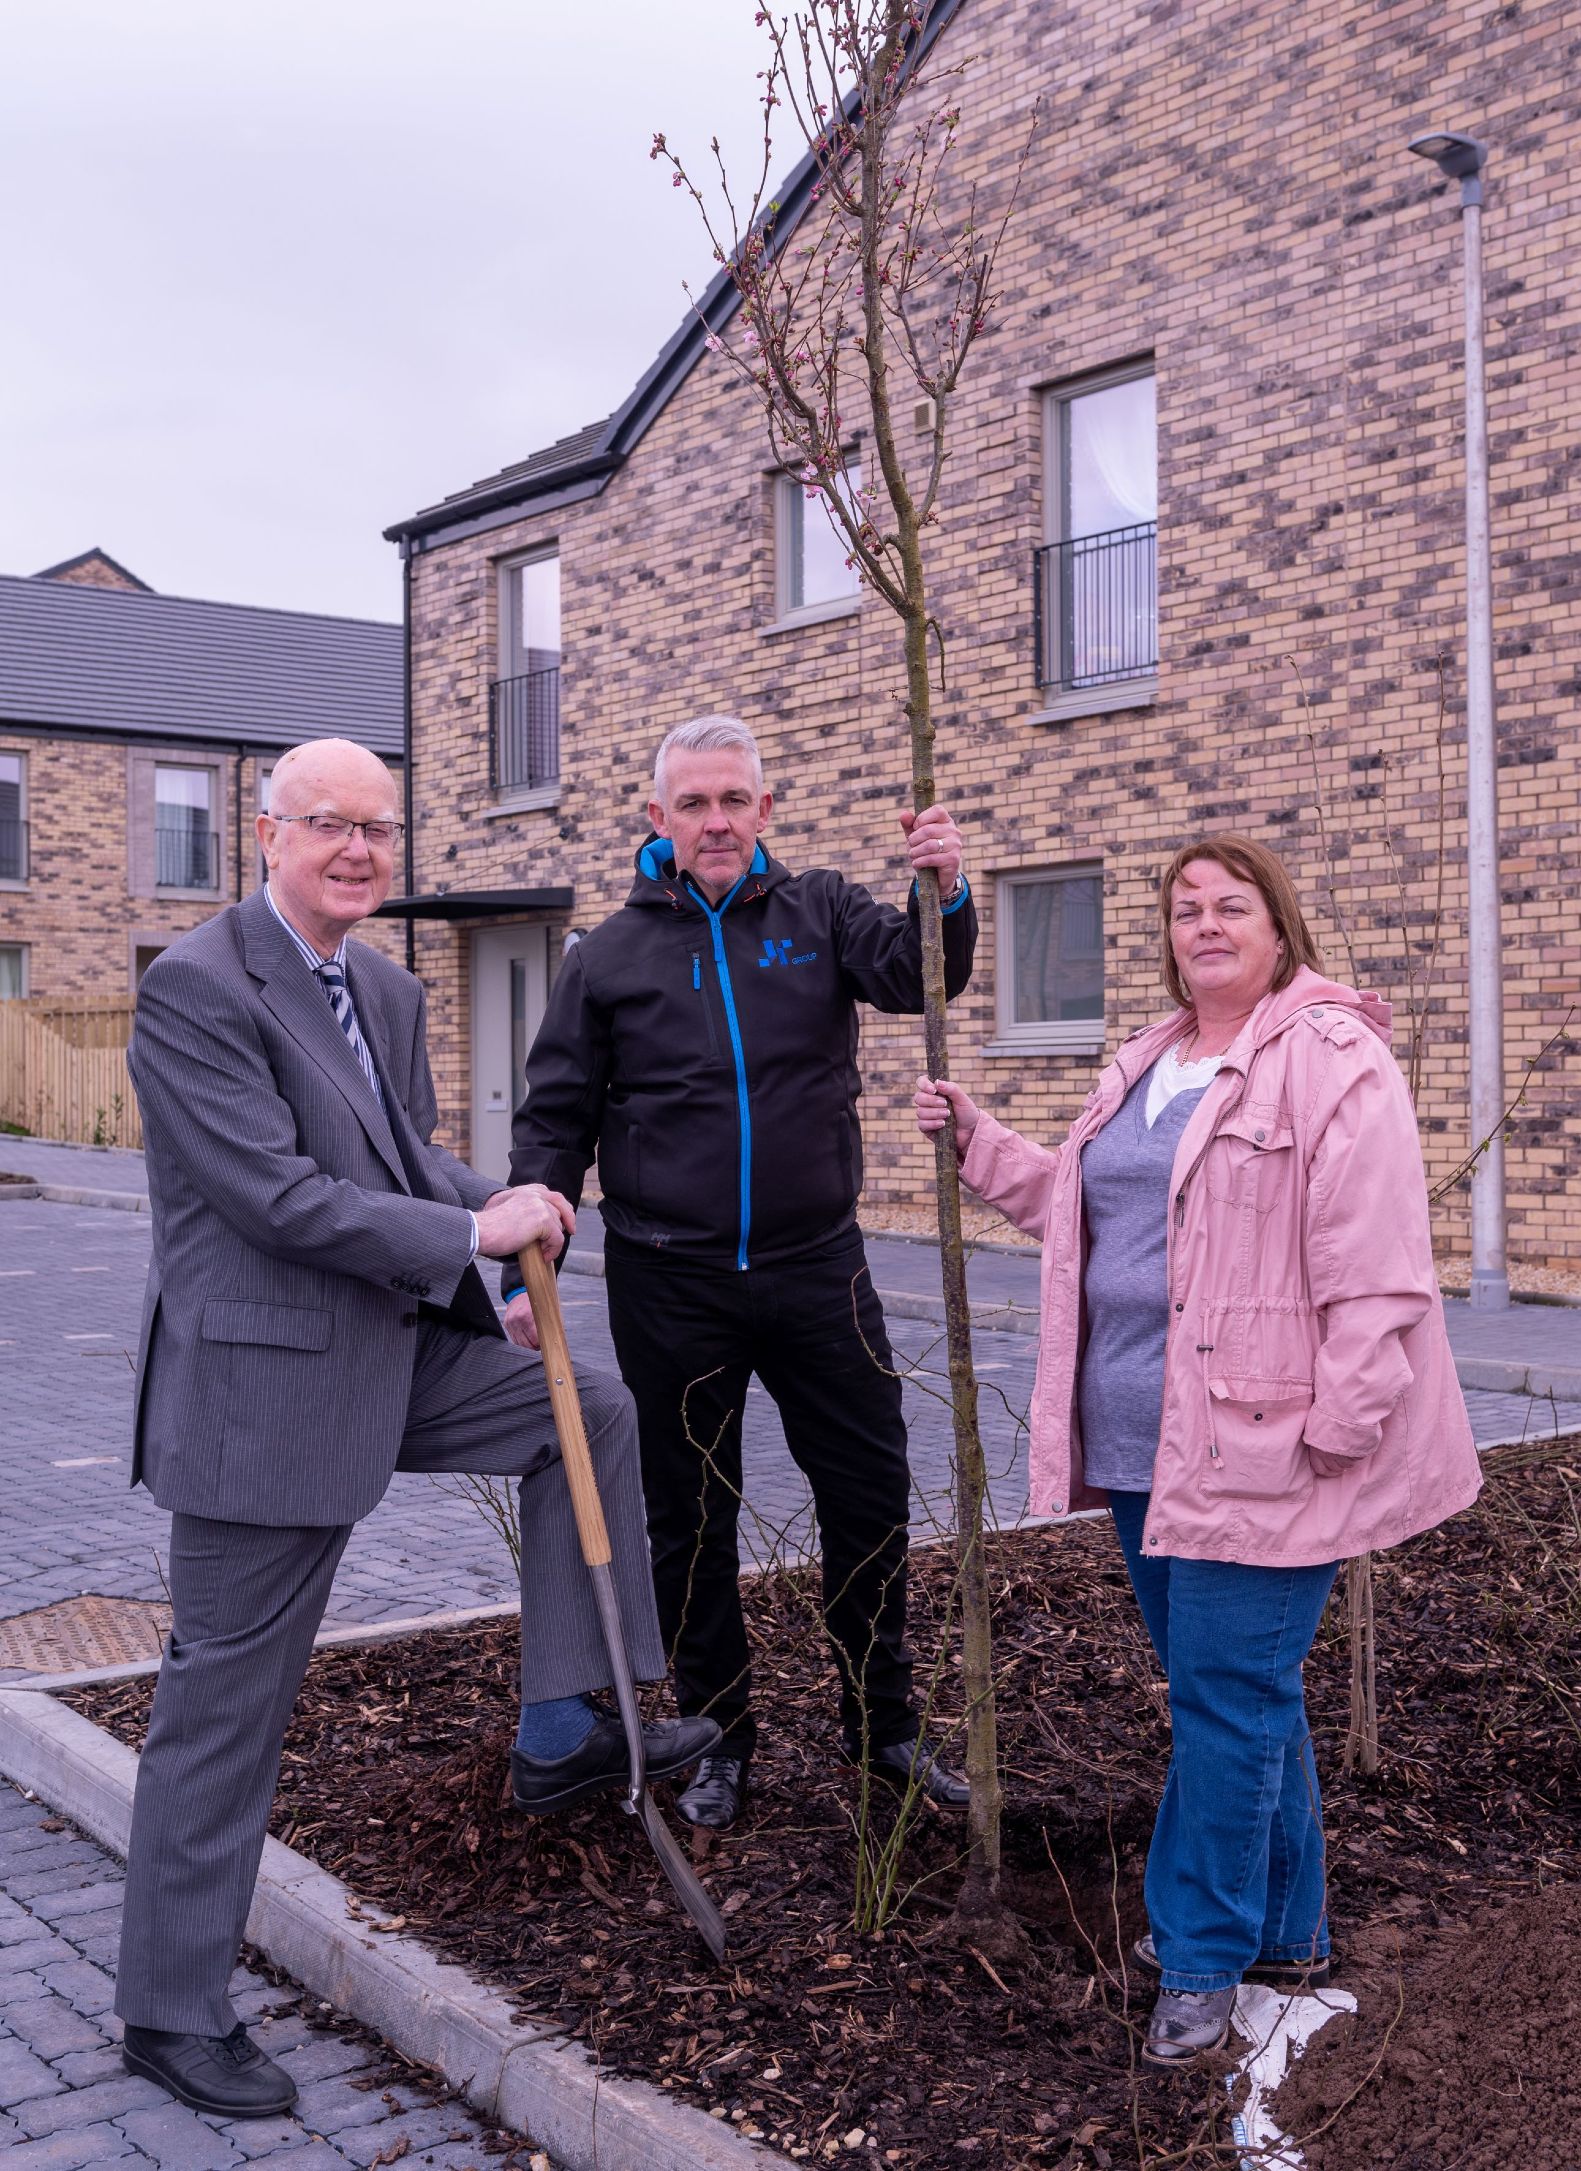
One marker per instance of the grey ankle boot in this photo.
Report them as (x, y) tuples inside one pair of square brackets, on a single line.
[(1186, 2023)]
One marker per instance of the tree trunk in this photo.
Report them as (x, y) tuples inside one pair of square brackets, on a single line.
[(980, 1913)]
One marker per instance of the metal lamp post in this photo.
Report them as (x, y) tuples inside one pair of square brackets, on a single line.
[(1462, 158)]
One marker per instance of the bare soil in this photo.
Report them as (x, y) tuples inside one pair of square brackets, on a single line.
[(1455, 1873), (1463, 2052)]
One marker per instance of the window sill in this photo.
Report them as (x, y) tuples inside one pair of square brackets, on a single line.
[(1128, 693), (815, 614), (166, 893), (1048, 1044), (528, 802), (15, 882)]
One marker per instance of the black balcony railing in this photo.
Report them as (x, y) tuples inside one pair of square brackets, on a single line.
[(186, 859), (524, 730), (13, 849), (1095, 605)]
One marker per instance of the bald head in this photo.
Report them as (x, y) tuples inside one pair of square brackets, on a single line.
[(313, 777), (323, 881)]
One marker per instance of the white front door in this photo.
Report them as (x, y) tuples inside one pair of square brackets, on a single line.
[(510, 984)]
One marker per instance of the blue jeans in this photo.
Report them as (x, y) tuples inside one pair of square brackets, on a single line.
[(1235, 1870)]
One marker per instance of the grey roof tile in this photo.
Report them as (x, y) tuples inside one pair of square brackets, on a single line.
[(155, 666)]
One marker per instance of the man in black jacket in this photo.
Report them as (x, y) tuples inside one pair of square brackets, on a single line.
[(703, 1041)]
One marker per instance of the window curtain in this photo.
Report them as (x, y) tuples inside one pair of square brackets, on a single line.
[(1112, 458)]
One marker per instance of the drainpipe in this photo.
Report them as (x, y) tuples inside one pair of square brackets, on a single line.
[(1462, 158), (238, 825), (406, 772)]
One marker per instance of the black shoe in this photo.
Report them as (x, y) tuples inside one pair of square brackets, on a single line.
[(1186, 2024), (714, 1796), (539, 1785), (903, 1763), (1278, 1974), (226, 2075)]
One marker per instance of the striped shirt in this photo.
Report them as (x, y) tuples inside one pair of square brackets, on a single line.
[(312, 959)]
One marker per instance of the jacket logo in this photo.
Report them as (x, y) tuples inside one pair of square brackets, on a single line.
[(779, 953)]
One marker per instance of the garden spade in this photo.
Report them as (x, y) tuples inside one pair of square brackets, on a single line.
[(594, 1535)]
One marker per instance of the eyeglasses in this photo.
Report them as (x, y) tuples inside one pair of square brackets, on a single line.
[(338, 827)]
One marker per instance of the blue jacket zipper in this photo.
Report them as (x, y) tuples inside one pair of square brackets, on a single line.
[(727, 994)]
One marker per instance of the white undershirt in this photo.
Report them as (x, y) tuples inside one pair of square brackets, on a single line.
[(1171, 1076)]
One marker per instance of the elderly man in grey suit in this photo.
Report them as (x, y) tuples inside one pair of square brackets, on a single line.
[(314, 1322)]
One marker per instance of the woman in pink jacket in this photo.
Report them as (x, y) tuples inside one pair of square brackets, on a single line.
[(1243, 1350)]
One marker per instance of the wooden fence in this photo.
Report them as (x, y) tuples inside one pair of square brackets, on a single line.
[(63, 1069)]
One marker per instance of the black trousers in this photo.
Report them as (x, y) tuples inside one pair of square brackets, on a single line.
[(688, 1338)]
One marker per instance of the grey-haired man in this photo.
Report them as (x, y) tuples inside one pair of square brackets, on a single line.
[(703, 1041)]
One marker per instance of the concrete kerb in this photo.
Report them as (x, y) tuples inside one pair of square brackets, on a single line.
[(65, 1194), (529, 2079), (1507, 1375)]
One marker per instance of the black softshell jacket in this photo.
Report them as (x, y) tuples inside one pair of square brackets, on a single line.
[(709, 1057)]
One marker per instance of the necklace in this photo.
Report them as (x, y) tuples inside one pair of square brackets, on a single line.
[(1184, 1054)]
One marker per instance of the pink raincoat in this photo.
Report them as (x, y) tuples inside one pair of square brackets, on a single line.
[(1304, 1308)]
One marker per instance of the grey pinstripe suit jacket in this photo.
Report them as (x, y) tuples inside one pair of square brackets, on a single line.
[(296, 1226)]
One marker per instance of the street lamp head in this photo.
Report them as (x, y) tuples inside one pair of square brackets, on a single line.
[(1458, 158)]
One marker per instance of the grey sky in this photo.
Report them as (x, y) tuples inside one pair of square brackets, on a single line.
[(276, 274)]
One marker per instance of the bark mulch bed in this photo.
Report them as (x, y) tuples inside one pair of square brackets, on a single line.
[(1456, 1873)]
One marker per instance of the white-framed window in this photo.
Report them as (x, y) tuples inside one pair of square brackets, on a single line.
[(1097, 572), (524, 701), (186, 834), (812, 578), (13, 971), (13, 820), (1049, 964)]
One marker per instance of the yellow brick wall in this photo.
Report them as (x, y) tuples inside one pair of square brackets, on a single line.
[(1227, 190), (76, 914)]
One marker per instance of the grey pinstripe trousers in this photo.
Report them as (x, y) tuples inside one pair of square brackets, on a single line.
[(248, 1599)]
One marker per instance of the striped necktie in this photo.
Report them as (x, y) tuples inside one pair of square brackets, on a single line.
[(334, 985)]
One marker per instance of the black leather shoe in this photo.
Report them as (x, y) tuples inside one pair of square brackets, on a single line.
[(904, 1761), (1186, 2024), (225, 2075), (1278, 1974), (539, 1785), (714, 1796)]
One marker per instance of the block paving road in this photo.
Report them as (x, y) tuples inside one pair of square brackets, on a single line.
[(71, 1294), (67, 2103)]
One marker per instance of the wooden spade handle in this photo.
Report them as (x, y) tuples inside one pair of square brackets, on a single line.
[(544, 1296)]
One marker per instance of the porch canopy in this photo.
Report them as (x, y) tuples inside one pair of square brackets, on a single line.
[(476, 904)]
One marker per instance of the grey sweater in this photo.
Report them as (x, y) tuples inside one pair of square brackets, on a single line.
[(1125, 1175)]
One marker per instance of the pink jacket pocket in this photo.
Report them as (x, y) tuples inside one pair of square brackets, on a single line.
[(1258, 1425)]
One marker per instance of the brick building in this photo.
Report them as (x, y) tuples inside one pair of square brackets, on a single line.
[(1201, 553), (137, 733)]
